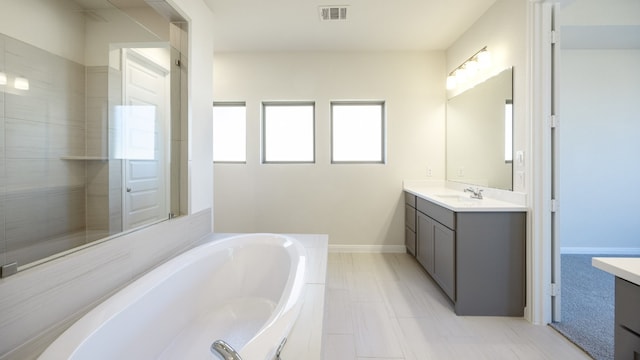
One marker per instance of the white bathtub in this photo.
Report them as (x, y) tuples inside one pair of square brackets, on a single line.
[(244, 290)]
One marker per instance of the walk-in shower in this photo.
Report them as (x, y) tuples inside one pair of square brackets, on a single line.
[(90, 114)]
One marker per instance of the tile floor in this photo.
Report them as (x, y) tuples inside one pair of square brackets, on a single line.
[(384, 306)]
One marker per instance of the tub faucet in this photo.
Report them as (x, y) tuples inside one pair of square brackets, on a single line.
[(475, 194), (225, 350)]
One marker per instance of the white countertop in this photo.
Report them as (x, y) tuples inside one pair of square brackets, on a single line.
[(460, 201), (627, 268)]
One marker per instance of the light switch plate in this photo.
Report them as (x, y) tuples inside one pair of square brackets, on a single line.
[(520, 158)]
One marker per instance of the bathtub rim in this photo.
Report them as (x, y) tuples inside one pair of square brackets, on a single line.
[(80, 331)]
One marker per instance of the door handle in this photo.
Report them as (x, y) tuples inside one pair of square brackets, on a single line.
[(128, 189)]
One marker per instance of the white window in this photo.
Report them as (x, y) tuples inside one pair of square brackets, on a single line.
[(288, 132), (229, 132), (357, 132)]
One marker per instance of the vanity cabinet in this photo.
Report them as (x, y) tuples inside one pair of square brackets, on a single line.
[(476, 257), (410, 223), (627, 320)]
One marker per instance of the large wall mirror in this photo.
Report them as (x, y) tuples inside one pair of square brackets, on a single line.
[(90, 113), (479, 134)]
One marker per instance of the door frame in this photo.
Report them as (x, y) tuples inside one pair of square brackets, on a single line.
[(539, 109)]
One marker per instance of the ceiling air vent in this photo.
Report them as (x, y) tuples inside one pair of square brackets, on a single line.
[(331, 13)]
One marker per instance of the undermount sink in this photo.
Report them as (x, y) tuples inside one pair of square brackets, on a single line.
[(449, 196), (456, 197)]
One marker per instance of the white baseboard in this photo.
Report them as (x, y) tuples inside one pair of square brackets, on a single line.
[(367, 248), (600, 250)]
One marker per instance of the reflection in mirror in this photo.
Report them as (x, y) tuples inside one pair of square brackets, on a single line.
[(480, 134), (87, 102)]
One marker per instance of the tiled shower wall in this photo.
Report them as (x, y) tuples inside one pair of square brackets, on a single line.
[(51, 199), (104, 185), (43, 196)]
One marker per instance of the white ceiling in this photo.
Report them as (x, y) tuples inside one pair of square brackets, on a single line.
[(372, 25)]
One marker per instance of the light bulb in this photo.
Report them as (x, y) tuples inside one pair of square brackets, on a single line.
[(3, 78), (484, 59), (21, 83), (451, 82), (472, 67), (461, 75)]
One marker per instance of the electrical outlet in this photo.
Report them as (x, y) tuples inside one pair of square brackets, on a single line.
[(429, 172), (520, 179)]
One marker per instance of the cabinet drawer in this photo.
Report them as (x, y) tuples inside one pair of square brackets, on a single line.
[(410, 217), (410, 199), (442, 215), (410, 240), (627, 300), (627, 344)]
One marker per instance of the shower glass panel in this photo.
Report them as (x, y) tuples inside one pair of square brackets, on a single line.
[(85, 124)]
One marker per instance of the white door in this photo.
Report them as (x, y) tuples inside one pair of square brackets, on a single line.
[(143, 132)]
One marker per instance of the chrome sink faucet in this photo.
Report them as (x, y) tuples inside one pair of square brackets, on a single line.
[(475, 193)]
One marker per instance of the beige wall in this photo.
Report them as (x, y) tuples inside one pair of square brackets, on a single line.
[(502, 29), (64, 34), (354, 204)]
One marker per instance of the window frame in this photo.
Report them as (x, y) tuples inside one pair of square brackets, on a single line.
[(263, 136), (383, 130), (235, 104)]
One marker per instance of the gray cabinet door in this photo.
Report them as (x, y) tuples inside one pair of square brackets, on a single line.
[(627, 320), (490, 259), (445, 259), (425, 241)]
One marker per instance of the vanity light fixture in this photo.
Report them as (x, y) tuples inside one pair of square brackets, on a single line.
[(478, 61), (21, 83), (484, 58), (3, 78)]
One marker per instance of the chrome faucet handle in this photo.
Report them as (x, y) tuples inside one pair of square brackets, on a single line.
[(220, 347), (475, 194)]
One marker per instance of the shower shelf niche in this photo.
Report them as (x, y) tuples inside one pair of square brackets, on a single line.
[(98, 158)]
